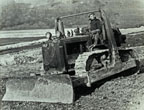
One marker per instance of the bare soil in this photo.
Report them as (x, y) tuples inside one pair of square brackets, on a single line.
[(120, 92)]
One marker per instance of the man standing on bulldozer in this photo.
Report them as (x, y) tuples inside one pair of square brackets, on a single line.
[(95, 29), (95, 24)]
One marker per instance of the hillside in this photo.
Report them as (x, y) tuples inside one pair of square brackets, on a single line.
[(31, 14)]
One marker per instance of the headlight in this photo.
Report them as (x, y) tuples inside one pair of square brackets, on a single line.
[(48, 36), (44, 44), (58, 34)]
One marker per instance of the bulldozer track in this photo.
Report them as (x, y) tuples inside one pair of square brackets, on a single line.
[(81, 62)]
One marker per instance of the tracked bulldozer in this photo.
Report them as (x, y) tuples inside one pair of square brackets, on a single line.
[(69, 62)]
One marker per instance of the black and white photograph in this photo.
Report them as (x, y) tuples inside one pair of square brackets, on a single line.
[(71, 54)]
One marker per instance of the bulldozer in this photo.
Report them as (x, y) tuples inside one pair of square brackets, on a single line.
[(73, 60)]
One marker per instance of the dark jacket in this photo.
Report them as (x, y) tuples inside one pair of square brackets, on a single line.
[(95, 24)]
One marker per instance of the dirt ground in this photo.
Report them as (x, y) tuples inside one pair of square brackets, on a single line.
[(116, 93)]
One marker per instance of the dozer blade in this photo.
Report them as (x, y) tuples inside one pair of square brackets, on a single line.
[(52, 89)]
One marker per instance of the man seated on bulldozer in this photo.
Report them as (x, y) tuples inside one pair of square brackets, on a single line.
[(95, 29)]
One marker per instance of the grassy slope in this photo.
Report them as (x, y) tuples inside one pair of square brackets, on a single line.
[(123, 13)]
